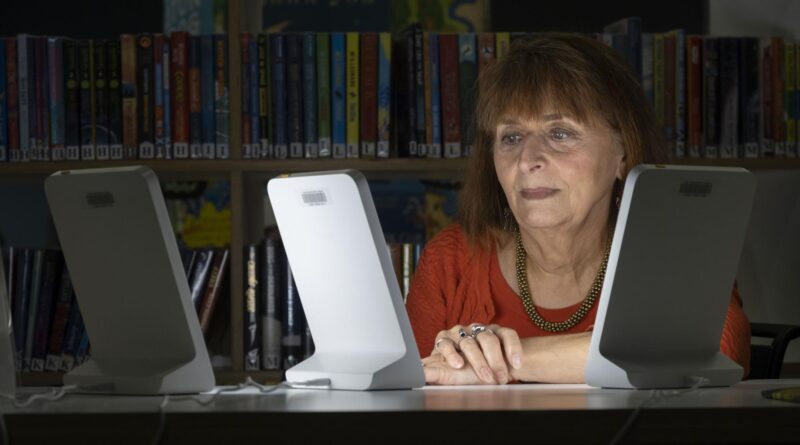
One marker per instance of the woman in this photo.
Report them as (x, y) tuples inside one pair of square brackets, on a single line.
[(511, 292)]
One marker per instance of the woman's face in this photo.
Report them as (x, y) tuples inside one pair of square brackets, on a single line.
[(555, 171)]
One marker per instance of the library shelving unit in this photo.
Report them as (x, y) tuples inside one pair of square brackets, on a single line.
[(247, 179)]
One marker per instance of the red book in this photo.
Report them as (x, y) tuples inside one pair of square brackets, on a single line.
[(179, 89), (213, 289), (451, 114), (369, 93), (486, 48)]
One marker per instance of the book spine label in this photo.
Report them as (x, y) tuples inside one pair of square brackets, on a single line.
[(451, 109), (352, 114), (179, 89), (339, 88), (221, 101), (263, 98), (87, 97), (130, 140), (294, 93), (55, 59), (310, 124), (369, 93), (435, 109), (323, 65), (145, 94), (101, 95), (115, 99), (278, 96), (384, 95), (209, 143), (195, 99)]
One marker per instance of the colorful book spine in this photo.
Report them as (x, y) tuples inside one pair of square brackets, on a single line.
[(213, 289), (51, 271), (352, 112), (145, 105), (323, 64), (468, 76), (435, 109), (694, 103), (88, 106), (729, 96), (24, 59), (33, 307), (64, 300), (670, 99), (55, 59), (406, 118), (72, 102), (384, 95), (209, 138), (248, 145), (294, 93), (221, 98), (339, 88), (166, 80), (789, 81), (292, 318), (486, 51), (179, 89), (158, 97), (21, 301), (451, 109), (115, 99), (101, 98), (3, 104), (12, 98), (195, 99), (72, 337), (270, 302), (766, 137), (41, 103), (252, 355), (263, 97), (369, 93), (711, 99), (130, 139), (426, 69), (778, 118), (680, 89), (503, 42), (255, 120), (310, 123), (647, 65), (658, 79), (419, 92), (278, 96), (749, 97)]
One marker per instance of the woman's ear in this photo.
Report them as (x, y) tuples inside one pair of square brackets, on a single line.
[(621, 168)]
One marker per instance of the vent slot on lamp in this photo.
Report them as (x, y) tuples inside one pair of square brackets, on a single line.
[(695, 188)]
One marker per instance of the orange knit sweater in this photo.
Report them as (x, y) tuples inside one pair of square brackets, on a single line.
[(454, 284)]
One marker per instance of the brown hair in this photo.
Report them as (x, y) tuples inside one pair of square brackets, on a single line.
[(577, 76)]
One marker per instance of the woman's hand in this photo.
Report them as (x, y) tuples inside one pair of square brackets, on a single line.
[(438, 372), (488, 351)]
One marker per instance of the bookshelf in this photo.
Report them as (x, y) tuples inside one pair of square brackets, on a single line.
[(248, 177)]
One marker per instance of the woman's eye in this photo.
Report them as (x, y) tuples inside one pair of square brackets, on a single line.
[(511, 139), (560, 134)]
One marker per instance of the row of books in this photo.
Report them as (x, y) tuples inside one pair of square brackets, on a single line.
[(716, 97), (276, 335), (49, 333), (147, 96)]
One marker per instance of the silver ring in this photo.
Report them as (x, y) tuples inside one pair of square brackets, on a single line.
[(462, 333), (478, 328), (436, 345)]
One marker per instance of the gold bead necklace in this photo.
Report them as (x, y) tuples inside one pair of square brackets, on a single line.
[(527, 300)]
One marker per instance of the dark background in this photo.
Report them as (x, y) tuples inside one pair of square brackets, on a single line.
[(108, 18)]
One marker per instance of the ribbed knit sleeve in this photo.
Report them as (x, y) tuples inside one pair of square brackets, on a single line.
[(735, 341)]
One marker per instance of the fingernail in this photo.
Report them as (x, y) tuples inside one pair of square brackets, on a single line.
[(516, 361), (486, 374)]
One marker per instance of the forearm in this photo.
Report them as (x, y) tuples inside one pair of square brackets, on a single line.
[(553, 359)]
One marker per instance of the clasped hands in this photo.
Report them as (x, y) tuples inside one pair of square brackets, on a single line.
[(472, 355)]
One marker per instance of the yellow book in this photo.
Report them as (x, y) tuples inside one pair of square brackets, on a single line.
[(502, 41), (352, 112)]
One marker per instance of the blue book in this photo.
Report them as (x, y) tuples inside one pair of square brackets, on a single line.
[(221, 98), (435, 150), (3, 107), (255, 119), (159, 97), (310, 146), (72, 337), (278, 97), (21, 302), (208, 138), (338, 101)]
